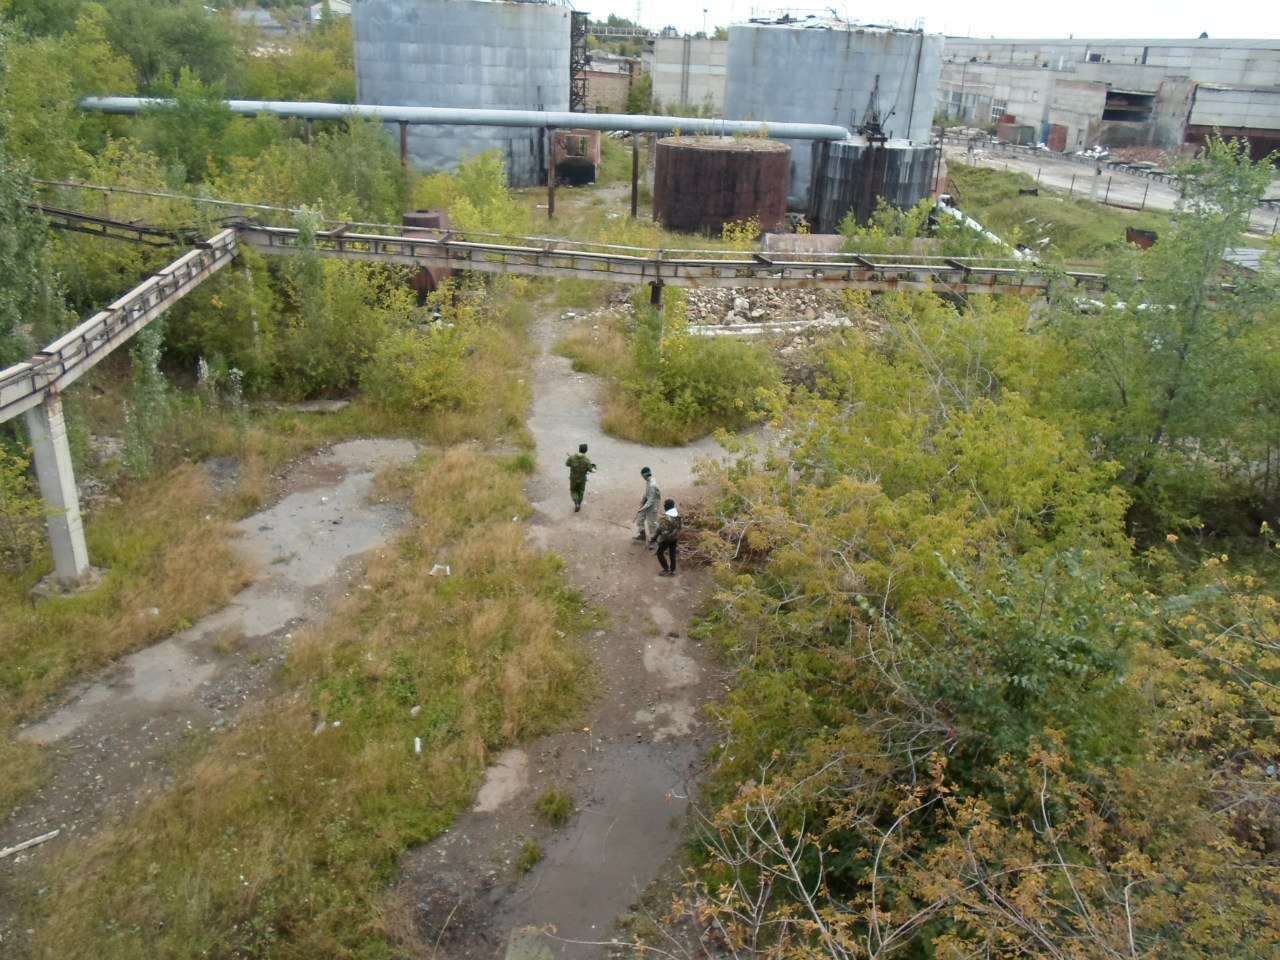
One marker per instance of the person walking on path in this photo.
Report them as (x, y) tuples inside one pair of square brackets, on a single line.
[(579, 466), (647, 517), (667, 536)]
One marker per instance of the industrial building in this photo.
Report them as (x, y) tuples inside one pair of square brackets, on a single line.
[(1072, 94), (688, 73), (483, 54), (827, 70), (525, 57), (608, 81)]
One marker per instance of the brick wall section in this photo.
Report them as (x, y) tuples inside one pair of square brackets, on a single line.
[(607, 92)]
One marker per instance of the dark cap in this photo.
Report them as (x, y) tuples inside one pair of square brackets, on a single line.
[(645, 471), (582, 448), (668, 504)]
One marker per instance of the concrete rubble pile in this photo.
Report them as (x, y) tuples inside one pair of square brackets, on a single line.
[(752, 311)]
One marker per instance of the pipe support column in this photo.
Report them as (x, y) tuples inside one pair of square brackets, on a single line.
[(52, 456)]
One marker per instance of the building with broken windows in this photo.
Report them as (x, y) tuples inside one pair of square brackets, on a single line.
[(1071, 94)]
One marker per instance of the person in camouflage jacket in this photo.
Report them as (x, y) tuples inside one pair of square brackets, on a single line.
[(579, 466)]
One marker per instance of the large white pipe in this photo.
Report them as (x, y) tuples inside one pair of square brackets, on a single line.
[(466, 116)]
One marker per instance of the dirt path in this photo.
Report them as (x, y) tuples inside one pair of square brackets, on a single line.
[(631, 765), (116, 731)]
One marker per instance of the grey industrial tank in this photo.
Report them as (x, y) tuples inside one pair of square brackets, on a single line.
[(850, 176), (826, 70), (465, 53), (702, 183)]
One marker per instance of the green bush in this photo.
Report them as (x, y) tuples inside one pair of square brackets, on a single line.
[(692, 384), (418, 368), (22, 513), (476, 197)]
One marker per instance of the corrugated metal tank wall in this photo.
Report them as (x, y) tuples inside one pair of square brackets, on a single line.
[(902, 174), (702, 183), (465, 53), (826, 74)]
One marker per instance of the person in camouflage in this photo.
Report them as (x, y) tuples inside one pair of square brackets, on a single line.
[(650, 504), (579, 466), (666, 537)]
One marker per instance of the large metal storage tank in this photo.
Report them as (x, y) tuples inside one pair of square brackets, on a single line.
[(850, 175), (702, 183), (817, 70), (465, 53)]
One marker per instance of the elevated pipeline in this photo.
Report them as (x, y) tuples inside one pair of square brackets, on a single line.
[(465, 116)]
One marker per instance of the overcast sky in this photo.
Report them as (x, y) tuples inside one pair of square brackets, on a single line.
[(1091, 19)]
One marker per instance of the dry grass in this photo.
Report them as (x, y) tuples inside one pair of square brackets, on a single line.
[(162, 571), (281, 839), (166, 556), (601, 349), (620, 417)]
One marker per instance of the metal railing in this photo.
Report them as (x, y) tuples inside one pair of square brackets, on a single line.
[(24, 385), (533, 256)]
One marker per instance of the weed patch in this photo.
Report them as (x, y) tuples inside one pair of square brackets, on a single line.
[(1076, 229), (554, 806), (666, 386), (530, 854), (281, 839), (601, 349)]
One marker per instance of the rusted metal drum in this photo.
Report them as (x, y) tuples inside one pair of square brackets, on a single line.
[(702, 183)]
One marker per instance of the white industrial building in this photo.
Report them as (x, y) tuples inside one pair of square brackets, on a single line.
[(1071, 94), (828, 70), (688, 74), (483, 54)]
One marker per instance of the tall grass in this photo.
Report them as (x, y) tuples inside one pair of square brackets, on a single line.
[(664, 386), (601, 348), (615, 161), (280, 841), (167, 559), (1078, 229)]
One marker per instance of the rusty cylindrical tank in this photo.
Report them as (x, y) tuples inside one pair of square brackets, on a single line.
[(702, 183), (853, 175), (426, 223)]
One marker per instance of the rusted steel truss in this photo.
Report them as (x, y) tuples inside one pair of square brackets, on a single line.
[(24, 385), (680, 268)]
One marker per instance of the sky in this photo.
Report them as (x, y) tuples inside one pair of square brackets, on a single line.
[(1085, 19)]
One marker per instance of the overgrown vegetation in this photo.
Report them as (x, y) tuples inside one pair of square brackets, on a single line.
[(988, 693), (999, 599), (1073, 229), (280, 839), (22, 512), (667, 385)]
